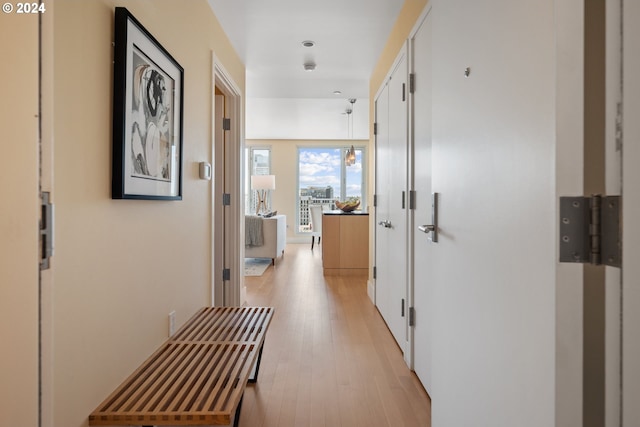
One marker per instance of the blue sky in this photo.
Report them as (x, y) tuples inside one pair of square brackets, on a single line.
[(320, 167)]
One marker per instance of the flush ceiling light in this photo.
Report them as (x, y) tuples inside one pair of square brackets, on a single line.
[(309, 66), (337, 92), (308, 43)]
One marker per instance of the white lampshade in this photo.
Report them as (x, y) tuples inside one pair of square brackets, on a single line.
[(263, 182)]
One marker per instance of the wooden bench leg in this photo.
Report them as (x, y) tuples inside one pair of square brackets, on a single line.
[(236, 417), (255, 374)]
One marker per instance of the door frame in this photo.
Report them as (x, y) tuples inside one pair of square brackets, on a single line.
[(374, 294), (229, 161), (630, 210), (46, 285), (612, 283)]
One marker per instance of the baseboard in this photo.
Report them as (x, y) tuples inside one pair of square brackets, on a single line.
[(371, 291)]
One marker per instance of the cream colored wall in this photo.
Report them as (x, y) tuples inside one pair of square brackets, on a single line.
[(19, 220), (407, 18), (284, 165), (123, 265)]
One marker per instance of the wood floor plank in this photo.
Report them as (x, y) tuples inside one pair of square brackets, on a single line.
[(329, 359)]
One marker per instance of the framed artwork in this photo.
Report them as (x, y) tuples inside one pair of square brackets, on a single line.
[(147, 115)]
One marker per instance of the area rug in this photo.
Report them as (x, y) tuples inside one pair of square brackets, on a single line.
[(256, 266)]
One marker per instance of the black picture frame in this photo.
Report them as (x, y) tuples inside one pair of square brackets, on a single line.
[(148, 87)]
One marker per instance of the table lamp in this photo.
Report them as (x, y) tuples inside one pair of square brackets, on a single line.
[(262, 184)]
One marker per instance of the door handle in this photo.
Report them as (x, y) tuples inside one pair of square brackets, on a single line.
[(385, 224), (432, 229), (427, 228)]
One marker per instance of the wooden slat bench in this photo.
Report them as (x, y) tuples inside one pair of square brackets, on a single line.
[(197, 377)]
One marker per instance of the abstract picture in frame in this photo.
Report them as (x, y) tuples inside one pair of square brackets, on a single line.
[(147, 115)]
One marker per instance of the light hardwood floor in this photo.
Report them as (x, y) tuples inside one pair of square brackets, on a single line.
[(329, 359)]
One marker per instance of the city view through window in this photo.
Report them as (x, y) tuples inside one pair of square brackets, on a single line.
[(324, 178)]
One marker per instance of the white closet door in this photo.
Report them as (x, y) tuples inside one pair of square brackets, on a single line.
[(391, 188), (398, 201), (382, 204)]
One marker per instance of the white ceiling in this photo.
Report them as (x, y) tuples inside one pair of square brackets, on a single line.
[(268, 35)]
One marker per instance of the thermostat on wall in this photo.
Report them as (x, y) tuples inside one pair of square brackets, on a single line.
[(205, 170)]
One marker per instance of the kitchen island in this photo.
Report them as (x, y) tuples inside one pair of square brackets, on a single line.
[(345, 243)]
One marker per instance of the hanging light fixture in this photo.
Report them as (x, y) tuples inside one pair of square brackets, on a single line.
[(350, 156)]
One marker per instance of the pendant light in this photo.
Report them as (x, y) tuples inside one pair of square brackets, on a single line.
[(350, 157)]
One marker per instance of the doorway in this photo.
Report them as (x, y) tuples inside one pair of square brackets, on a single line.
[(227, 195), (630, 349)]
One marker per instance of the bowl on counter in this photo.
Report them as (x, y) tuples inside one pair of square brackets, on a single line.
[(347, 207)]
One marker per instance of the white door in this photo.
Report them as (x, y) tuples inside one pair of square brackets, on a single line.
[(422, 214), (631, 214), (382, 298), (391, 209), (494, 88), (622, 298), (398, 202)]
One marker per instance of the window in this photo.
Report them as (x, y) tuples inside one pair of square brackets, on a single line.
[(323, 178), (258, 163)]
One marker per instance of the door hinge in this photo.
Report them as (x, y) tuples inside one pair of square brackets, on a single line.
[(226, 274), (403, 198), (619, 127), (226, 124), (375, 200), (226, 199), (375, 271), (412, 316), (412, 83), (590, 230), (375, 128), (412, 199), (402, 308), (404, 90), (46, 230)]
